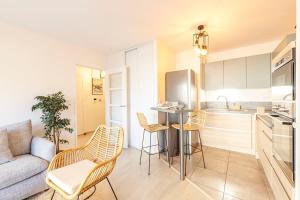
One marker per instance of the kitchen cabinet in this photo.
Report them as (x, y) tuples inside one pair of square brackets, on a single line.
[(240, 73), (230, 131), (259, 71), (235, 73), (281, 187), (214, 76)]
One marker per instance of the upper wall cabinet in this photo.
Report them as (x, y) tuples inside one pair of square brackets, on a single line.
[(235, 73), (214, 76), (259, 71)]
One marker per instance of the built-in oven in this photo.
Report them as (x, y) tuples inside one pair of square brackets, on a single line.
[(283, 105), (283, 85)]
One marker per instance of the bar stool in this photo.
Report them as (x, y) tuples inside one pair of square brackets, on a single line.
[(195, 122), (152, 128)]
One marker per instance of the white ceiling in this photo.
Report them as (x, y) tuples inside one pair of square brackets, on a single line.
[(112, 25)]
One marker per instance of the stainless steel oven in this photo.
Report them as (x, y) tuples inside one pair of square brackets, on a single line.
[(283, 85), (283, 105)]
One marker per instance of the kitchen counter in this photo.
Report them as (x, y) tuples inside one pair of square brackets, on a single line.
[(266, 119), (228, 111)]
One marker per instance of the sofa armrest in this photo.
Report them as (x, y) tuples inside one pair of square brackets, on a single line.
[(43, 148)]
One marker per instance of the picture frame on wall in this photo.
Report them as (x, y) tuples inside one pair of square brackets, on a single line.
[(97, 86)]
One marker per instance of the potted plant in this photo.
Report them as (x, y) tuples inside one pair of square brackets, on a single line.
[(52, 107)]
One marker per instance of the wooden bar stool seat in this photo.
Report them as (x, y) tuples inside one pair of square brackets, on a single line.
[(186, 127), (152, 128)]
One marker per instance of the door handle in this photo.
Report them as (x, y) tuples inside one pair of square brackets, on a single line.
[(122, 106), (296, 125)]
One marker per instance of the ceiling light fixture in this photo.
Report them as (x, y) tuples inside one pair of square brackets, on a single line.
[(201, 41)]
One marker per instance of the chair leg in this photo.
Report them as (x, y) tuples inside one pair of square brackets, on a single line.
[(142, 148), (167, 149), (52, 195), (111, 188), (188, 141), (201, 149), (78, 197), (173, 149), (186, 151), (149, 154), (157, 135)]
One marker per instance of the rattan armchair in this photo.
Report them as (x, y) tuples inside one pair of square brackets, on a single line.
[(103, 149)]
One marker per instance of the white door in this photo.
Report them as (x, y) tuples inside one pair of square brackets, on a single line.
[(116, 98)]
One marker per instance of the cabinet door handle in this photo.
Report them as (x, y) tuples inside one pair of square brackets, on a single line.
[(267, 135)]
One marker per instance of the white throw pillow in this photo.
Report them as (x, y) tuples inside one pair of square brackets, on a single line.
[(5, 153)]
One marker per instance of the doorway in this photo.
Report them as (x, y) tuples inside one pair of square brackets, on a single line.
[(90, 102)]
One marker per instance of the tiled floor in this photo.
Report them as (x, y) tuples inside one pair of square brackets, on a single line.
[(131, 182), (228, 175)]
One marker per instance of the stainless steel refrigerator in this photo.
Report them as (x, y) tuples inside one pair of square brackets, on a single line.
[(180, 86)]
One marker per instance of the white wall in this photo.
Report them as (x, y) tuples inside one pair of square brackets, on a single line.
[(90, 108), (143, 83), (166, 62), (189, 59), (144, 91), (243, 51), (33, 64)]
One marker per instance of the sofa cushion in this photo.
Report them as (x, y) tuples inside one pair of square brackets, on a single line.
[(64, 177), (23, 167), (5, 153), (19, 137), (26, 188)]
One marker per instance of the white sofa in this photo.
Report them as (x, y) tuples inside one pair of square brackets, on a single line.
[(25, 175)]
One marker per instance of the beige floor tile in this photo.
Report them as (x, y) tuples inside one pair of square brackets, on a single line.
[(131, 182), (229, 197), (246, 189), (208, 178), (244, 180), (217, 154), (243, 159), (214, 164), (191, 164), (253, 175), (213, 193)]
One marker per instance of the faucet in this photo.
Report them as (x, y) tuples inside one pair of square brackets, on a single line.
[(226, 102), (286, 96)]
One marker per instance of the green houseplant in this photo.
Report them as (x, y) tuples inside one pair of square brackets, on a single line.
[(52, 107)]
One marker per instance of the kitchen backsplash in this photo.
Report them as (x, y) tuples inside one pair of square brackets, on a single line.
[(248, 95), (247, 98), (244, 104)]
